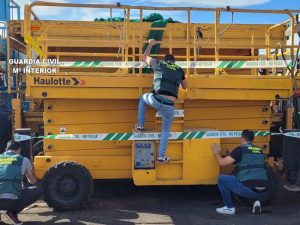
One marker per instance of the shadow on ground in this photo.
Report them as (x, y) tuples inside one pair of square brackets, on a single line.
[(122, 203)]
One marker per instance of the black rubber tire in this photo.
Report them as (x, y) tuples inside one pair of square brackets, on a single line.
[(273, 182), (67, 186)]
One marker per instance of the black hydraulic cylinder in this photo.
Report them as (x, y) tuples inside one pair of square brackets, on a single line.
[(291, 156)]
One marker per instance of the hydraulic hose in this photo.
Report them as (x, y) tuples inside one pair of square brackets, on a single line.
[(294, 66)]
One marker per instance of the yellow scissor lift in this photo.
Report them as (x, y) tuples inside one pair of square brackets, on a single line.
[(83, 99)]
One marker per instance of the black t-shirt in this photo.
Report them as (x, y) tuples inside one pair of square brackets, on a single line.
[(154, 63), (236, 154)]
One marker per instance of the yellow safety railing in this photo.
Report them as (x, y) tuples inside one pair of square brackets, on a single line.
[(132, 38)]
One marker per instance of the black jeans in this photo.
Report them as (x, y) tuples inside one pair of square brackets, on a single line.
[(29, 195)]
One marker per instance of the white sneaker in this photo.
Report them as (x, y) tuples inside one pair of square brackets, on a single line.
[(226, 210), (292, 187), (138, 128), (162, 160), (256, 207)]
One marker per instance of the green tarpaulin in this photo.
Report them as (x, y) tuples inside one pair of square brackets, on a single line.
[(157, 35), (157, 21)]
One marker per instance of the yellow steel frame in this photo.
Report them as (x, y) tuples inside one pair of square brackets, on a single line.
[(107, 100), (188, 43)]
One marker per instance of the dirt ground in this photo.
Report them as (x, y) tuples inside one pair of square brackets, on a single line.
[(121, 203)]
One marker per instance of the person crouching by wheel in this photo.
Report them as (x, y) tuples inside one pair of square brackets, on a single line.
[(251, 179), (13, 197)]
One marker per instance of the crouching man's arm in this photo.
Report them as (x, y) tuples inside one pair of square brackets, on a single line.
[(32, 179), (29, 172), (223, 161)]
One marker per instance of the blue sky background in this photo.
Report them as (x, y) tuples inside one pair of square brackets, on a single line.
[(201, 17)]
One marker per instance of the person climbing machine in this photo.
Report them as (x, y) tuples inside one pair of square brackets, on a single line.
[(166, 81)]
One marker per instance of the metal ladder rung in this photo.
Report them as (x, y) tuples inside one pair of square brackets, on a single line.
[(171, 162)]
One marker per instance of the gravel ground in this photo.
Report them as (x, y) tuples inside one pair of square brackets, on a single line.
[(122, 203)]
